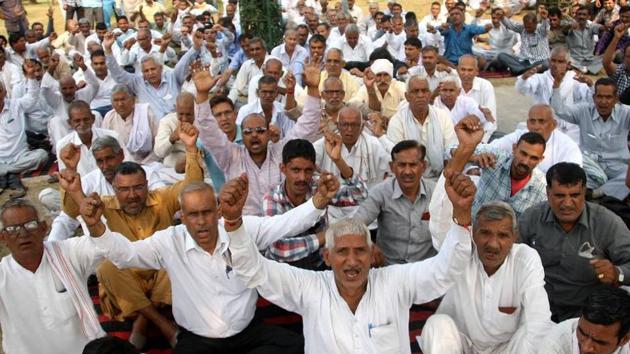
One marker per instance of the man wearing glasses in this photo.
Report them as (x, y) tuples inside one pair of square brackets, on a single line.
[(136, 213), (259, 158), (581, 244), (42, 312)]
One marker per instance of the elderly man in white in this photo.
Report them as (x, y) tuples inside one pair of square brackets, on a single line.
[(355, 46), (574, 88), (479, 89), (459, 106), (273, 67), (559, 146), (429, 125), (355, 309), (81, 120), (498, 303), (135, 124), (134, 52)]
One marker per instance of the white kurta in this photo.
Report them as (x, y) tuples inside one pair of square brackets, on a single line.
[(87, 163), (380, 323), (36, 311), (561, 339), (507, 312)]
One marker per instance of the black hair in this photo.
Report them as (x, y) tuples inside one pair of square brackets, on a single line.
[(624, 9), (317, 38), (298, 148), (381, 53), (411, 18), (78, 105), (605, 81), (246, 35), (533, 139), (407, 145), (608, 305), (267, 80), (109, 345), (101, 26), (97, 53), (429, 48), (129, 168), (555, 11), (14, 37), (123, 17), (221, 99), (414, 42), (566, 173)]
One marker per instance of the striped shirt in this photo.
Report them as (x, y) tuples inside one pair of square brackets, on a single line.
[(302, 248), (534, 46), (496, 184)]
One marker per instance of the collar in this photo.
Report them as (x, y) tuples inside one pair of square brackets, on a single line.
[(220, 248), (76, 140), (613, 114), (277, 107), (397, 194)]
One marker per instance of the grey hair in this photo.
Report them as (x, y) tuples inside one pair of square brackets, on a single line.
[(451, 79), (496, 210), (331, 79), (341, 15), (468, 56), (352, 28), (104, 142), (347, 227), (333, 50), (122, 88), (84, 21), (272, 59), (561, 50), (17, 203), (417, 77), (150, 57), (191, 187), (291, 30)]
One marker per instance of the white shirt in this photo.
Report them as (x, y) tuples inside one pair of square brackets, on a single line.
[(135, 55), (116, 51), (559, 148), (102, 88), (482, 91), (10, 74), (540, 88), (380, 323), (87, 163), (475, 300), (36, 312), (361, 52), (561, 339), (208, 298), (50, 89), (433, 39), (13, 129), (434, 80), (248, 70), (278, 117), (463, 107), (252, 94)]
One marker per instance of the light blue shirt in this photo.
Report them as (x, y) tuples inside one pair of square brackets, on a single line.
[(238, 59), (606, 142), (294, 63), (161, 99)]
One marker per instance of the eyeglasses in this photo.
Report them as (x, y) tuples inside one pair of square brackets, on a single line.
[(27, 226), (137, 188), (334, 92), (345, 125), (258, 130)]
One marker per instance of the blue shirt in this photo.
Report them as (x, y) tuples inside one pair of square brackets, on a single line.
[(460, 43), (161, 98), (238, 59)]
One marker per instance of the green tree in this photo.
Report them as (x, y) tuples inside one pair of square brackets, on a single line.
[(262, 18)]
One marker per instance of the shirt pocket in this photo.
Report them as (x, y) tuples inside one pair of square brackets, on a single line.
[(384, 337), (507, 323), (60, 309)]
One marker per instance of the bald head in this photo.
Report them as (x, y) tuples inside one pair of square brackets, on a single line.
[(273, 67), (540, 120), (349, 124), (68, 88), (185, 107), (467, 69)]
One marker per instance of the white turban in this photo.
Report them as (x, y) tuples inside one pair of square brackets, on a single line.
[(382, 66)]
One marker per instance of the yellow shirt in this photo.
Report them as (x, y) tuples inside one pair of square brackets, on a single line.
[(161, 206), (389, 103), (150, 10)]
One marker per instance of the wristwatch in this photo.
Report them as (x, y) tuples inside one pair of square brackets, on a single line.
[(621, 276)]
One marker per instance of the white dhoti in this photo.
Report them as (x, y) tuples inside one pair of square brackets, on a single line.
[(440, 335), (27, 161)]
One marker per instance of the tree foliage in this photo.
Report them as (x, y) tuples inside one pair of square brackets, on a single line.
[(262, 18)]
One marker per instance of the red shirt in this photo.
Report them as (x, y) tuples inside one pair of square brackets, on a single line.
[(517, 184)]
